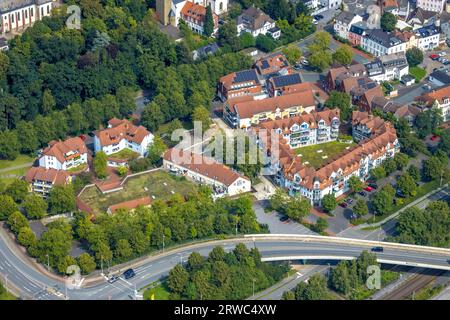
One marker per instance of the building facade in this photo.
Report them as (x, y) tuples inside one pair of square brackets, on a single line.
[(380, 43), (64, 155), (431, 5), (17, 15), (256, 22), (344, 21), (43, 180), (388, 67)]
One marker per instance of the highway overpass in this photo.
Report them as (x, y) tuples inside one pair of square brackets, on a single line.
[(33, 283)]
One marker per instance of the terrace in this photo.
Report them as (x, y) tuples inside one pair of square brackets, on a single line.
[(318, 155)]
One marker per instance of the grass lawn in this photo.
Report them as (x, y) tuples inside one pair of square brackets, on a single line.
[(161, 292), (125, 154), (159, 184), (7, 296), (329, 149), (417, 73), (78, 168), (428, 292), (20, 160)]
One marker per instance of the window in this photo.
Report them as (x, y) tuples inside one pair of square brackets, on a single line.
[(12, 18), (31, 12)]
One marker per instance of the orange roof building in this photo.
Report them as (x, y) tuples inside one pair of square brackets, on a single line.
[(64, 155), (130, 205), (205, 170), (42, 180), (273, 65), (120, 135), (438, 98), (194, 16), (332, 177)]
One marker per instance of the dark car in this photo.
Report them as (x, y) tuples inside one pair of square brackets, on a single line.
[(113, 279), (343, 205), (284, 218), (318, 17), (349, 201), (362, 193), (297, 67), (399, 194), (128, 274), (377, 249), (373, 186)]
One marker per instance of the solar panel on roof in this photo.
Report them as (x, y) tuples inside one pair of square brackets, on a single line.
[(265, 64), (247, 75), (287, 80)]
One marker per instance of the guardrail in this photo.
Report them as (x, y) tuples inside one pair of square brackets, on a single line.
[(339, 240)]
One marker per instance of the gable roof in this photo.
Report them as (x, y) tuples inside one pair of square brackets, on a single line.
[(121, 129), (436, 95), (239, 77), (272, 64), (203, 165), (254, 18), (66, 150), (345, 17), (248, 109), (53, 176), (441, 76)]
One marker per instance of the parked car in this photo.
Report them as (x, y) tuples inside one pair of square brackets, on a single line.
[(399, 194), (373, 186), (113, 279), (368, 189), (128, 274), (446, 62), (442, 54), (434, 138), (362, 193), (434, 56), (377, 249), (284, 218), (304, 62), (297, 67), (349, 200), (318, 17), (343, 205)]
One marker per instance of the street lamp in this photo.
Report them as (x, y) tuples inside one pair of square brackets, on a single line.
[(163, 242), (254, 288), (48, 262)]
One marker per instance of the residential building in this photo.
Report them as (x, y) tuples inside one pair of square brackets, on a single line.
[(287, 84), (17, 15), (64, 155), (363, 95), (332, 178), (431, 5), (238, 84), (428, 37), (356, 33), (408, 37), (336, 76), (379, 43), (388, 67), (445, 23), (419, 18), (130, 205), (4, 44), (256, 22), (205, 51), (194, 16), (390, 6), (273, 65), (439, 98), (43, 180), (439, 78), (344, 21), (121, 135), (305, 129), (201, 169), (244, 114)]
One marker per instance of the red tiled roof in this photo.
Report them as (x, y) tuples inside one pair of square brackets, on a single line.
[(130, 205), (204, 166), (60, 149), (55, 177), (121, 129)]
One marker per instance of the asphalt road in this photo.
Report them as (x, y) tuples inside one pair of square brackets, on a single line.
[(35, 285)]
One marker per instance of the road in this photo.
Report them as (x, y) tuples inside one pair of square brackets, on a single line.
[(32, 284)]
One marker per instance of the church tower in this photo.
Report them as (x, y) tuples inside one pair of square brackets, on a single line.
[(163, 8)]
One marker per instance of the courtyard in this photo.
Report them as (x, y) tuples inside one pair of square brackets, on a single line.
[(317, 155), (156, 184)]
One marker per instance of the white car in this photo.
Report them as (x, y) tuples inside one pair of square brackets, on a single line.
[(304, 62), (442, 54)]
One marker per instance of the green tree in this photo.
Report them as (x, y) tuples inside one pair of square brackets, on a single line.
[(320, 58), (343, 55), (389, 166), (152, 116), (156, 150), (9, 145), (315, 289), (378, 173), (433, 168), (18, 190), (28, 139), (321, 225), (17, 221), (293, 53), (201, 114), (178, 279), (265, 43), (355, 184), (329, 202), (8, 206), (360, 208), (383, 199), (247, 40), (48, 102), (86, 263), (414, 56), (208, 24), (342, 101), (228, 36), (414, 172), (35, 207), (388, 21), (64, 263), (122, 171), (123, 249), (26, 237), (297, 208), (62, 199), (101, 164), (407, 185), (401, 160), (288, 295)]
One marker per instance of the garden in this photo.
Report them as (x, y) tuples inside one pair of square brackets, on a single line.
[(317, 155)]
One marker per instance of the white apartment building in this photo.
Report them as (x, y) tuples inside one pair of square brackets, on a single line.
[(439, 98), (120, 135), (380, 43), (344, 21), (428, 37), (256, 22), (16, 15), (64, 155), (43, 180), (203, 170), (431, 5), (388, 67)]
